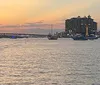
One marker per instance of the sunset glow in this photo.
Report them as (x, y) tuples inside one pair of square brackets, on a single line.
[(20, 12)]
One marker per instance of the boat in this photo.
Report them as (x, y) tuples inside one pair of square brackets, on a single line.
[(79, 37), (52, 37), (92, 37)]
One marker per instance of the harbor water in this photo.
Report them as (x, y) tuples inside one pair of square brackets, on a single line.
[(39, 61)]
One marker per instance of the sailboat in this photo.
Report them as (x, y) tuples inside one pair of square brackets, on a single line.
[(52, 36)]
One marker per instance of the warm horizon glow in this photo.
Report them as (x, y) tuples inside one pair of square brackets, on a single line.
[(19, 12)]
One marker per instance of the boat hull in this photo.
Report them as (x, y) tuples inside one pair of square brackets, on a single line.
[(79, 38), (52, 38), (92, 38)]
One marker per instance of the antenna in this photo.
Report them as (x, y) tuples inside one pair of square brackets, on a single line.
[(51, 28)]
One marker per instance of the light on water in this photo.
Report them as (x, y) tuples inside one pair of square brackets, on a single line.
[(43, 62)]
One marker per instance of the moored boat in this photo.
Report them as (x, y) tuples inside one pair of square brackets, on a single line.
[(79, 37), (92, 37), (52, 37)]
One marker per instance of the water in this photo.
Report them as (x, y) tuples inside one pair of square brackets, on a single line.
[(44, 62)]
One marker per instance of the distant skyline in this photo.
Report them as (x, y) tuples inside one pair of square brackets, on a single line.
[(29, 15)]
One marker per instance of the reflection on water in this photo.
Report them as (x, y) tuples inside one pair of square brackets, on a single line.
[(44, 62)]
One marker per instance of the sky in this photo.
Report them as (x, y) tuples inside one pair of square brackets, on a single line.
[(31, 16)]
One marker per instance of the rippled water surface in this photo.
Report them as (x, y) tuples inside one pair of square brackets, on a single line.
[(44, 62)]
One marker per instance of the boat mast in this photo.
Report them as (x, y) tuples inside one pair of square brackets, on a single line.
[(52, 29)]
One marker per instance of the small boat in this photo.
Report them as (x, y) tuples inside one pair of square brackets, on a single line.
[(79, 37), (52, 37), (92, 37)]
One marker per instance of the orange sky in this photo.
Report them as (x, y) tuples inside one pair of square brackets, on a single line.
[(19, 12)]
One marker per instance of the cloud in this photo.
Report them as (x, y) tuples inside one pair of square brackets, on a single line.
[(26, 14), (36, 27), (41, 31)]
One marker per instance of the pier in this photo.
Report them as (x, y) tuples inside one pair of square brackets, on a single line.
[(21, 35)]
